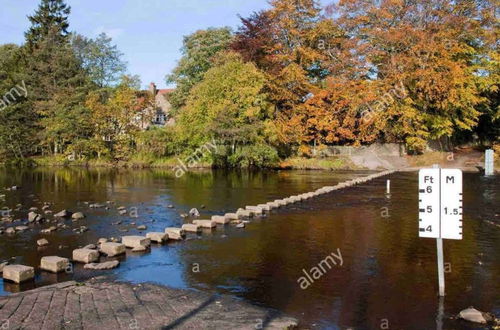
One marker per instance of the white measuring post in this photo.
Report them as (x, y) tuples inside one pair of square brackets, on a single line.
[(388, 185), (489, 162), (440, 209)]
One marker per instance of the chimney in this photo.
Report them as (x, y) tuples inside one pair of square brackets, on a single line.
[(152, 89)]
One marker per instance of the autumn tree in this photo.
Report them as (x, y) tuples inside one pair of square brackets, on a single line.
[(116, 116), (433, 48), (254, 41), (283, 41)]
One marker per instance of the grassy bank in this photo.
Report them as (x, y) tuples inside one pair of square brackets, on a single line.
[(297, 163), (333, 163)]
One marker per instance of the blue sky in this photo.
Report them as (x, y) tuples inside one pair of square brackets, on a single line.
[(148, 32)]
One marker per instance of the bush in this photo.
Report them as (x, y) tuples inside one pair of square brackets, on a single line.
[(160, 142), (416, 145), (259, 155)]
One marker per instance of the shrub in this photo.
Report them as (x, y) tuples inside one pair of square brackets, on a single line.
[(259, 155)]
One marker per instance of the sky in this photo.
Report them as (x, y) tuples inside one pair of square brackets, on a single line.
[(148, 32)]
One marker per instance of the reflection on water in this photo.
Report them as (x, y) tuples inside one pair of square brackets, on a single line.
[(388, 275)]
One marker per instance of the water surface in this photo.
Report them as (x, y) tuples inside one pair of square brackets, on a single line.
[(388, 274)]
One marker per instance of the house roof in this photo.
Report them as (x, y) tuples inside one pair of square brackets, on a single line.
[(165, 91)]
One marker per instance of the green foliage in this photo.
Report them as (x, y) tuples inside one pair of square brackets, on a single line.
[(17, 120), (228, 105), (198, 50), (51, 17), (259, 155), (158, 142), (100, 58)]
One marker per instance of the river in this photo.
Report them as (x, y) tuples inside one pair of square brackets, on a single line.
[(387, 275)]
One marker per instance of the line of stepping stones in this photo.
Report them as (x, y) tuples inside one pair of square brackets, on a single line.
[(90, 254)]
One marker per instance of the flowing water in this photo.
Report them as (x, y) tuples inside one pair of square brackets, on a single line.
[(384, 276)]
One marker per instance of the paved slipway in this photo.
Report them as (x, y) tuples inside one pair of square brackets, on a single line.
[(103, 304)]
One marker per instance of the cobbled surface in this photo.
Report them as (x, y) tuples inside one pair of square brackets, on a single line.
[(101, 304)]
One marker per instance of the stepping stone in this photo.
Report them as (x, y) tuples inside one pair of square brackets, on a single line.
[(85, 255), (191, 228), (231, 216), (113, 249), (265, 207), (255, 210), (102, 265), (136, 241), (18, 273), (273, 205), (157, 237), (220, 219), (243, 214), (139, 248), (54, 264), (205, 223), (175, 233)]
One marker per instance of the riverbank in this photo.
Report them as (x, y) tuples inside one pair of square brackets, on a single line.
[(466, 159), (294, 163), (104, 304)]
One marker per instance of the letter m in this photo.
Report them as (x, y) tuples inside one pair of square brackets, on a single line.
[(450, 179)]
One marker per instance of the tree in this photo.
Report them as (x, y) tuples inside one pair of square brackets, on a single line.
[(115, 115), (434, 48), (228, 105), (283, 42), (51, 15), (17, 121), (331, 116), (57, 82), (100, 58), (198, 50), (254, 41)]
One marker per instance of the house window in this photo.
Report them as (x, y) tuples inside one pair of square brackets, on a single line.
[(160, 118)]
